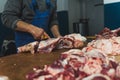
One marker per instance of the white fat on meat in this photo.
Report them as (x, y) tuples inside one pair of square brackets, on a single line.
[(78, 58), (91, 77), (73, 51), (4, 77), (77, 37), (96, 53), (108, 46), (76, 54), (103, 44), (92, 66), (75, 61), (45, 43), (44, 77), (55, 71), (47, 46), (116, 39), (28, 47), (116, 30), (118, 71), (111, 73), (65, 43), (54, 68)]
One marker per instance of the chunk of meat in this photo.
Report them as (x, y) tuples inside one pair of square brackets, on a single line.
[(97, 77), (108, 46), (92, 66), (106, 33), (47, 46), (118, 71), (31, 47)]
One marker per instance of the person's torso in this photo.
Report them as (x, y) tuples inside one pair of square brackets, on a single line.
[(36, 12), (28, 13)]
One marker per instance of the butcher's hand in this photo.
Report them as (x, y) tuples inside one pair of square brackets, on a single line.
[(36, 32), (39, 33)]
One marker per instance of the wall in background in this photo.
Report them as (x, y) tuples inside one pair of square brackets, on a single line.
[(62, 12), (69, 12), (110, 1), (112, 15), (80, 9), (62, 5), (2, 3), (63, 22), (73, 13), (95, 15)]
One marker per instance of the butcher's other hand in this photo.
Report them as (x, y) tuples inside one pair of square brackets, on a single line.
[(38, 33)]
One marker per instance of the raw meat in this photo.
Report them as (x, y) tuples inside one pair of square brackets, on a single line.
[(46, 46), (78, 65)]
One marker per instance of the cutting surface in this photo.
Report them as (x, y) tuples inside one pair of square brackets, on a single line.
[(18, 65)]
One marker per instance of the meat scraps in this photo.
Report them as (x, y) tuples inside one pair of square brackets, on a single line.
[(106, 33), (78, 65)]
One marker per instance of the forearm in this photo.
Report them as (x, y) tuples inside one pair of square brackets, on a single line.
[(55, 31), (24, 27)]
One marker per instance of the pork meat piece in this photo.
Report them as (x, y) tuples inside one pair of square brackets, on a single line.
[(97, 77), (106, 33), (109, 46), (31, 47), (46, 46), (77, 39)]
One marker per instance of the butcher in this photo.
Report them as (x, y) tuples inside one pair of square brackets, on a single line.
[(31, 19)]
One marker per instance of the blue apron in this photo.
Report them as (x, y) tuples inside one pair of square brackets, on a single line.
[(40, 19)]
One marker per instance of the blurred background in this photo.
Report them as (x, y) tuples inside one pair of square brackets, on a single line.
[(87, 17)]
